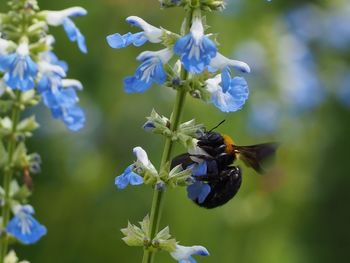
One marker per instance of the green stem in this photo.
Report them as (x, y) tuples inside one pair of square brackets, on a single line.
[(8, 176), (158, 195)]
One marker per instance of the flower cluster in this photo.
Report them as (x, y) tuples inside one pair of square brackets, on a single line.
[(26, 65), (30, 72), (210, 72)]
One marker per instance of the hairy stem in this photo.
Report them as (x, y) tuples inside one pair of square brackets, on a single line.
[(8, 173), (158, 195)]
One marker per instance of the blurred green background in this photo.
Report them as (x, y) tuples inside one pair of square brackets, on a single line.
[(299, 52)]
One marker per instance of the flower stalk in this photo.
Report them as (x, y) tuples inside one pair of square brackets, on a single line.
[(12, 143), (158, 195)]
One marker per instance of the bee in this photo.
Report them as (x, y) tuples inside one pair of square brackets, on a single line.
[(219, 180)]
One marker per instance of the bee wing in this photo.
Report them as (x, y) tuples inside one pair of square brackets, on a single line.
[(183, 159), (255, 155)]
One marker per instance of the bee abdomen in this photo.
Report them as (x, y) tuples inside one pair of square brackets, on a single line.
[(225, 189)]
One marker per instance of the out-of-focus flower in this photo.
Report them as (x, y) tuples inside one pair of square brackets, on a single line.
[(342, 91), (11, 257), (184, 254), (5, 45), (19, 68), (228, 95), (59, 95), (58, 18), (149, 72), (24, 226), (150, 33), (195, 49), (264, 117), (301, 88)]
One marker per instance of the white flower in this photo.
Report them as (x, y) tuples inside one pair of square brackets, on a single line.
[(184, 254), (73, 83), (5, 45), (142, 158), (56, 18), (220, 62), (152, 33)]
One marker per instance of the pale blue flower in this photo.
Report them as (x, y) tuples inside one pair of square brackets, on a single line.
[(19, 68), (184, 254), (128, 177), (74, 34), (228, 95), (195, 49), (198, 191), (57, 18), (24, 226), (150, 33), (150, 72), (301, 87), (59, 94)]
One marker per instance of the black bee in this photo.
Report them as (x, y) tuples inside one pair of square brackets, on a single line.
[(219, 152)]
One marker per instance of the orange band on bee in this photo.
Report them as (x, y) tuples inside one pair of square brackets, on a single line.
[(229, 144)]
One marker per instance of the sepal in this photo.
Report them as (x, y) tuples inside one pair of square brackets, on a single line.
[(27, 126), (179, 177), (11, 257), (158, 124), (187, 131), (163, 241), (137, 236)]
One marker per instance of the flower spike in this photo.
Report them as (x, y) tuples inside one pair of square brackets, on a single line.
[(195, 49), (150, 33)]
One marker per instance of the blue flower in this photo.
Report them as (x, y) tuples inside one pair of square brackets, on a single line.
[(229, 95), (264, 117), (74, 34), (302, 88), (184, 254), (195, 49), (128, 177), (149, 72), (59, 94), (150, 33), (142, 165), (198, 191), (57, 18), (24, 226), (19, 68)]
